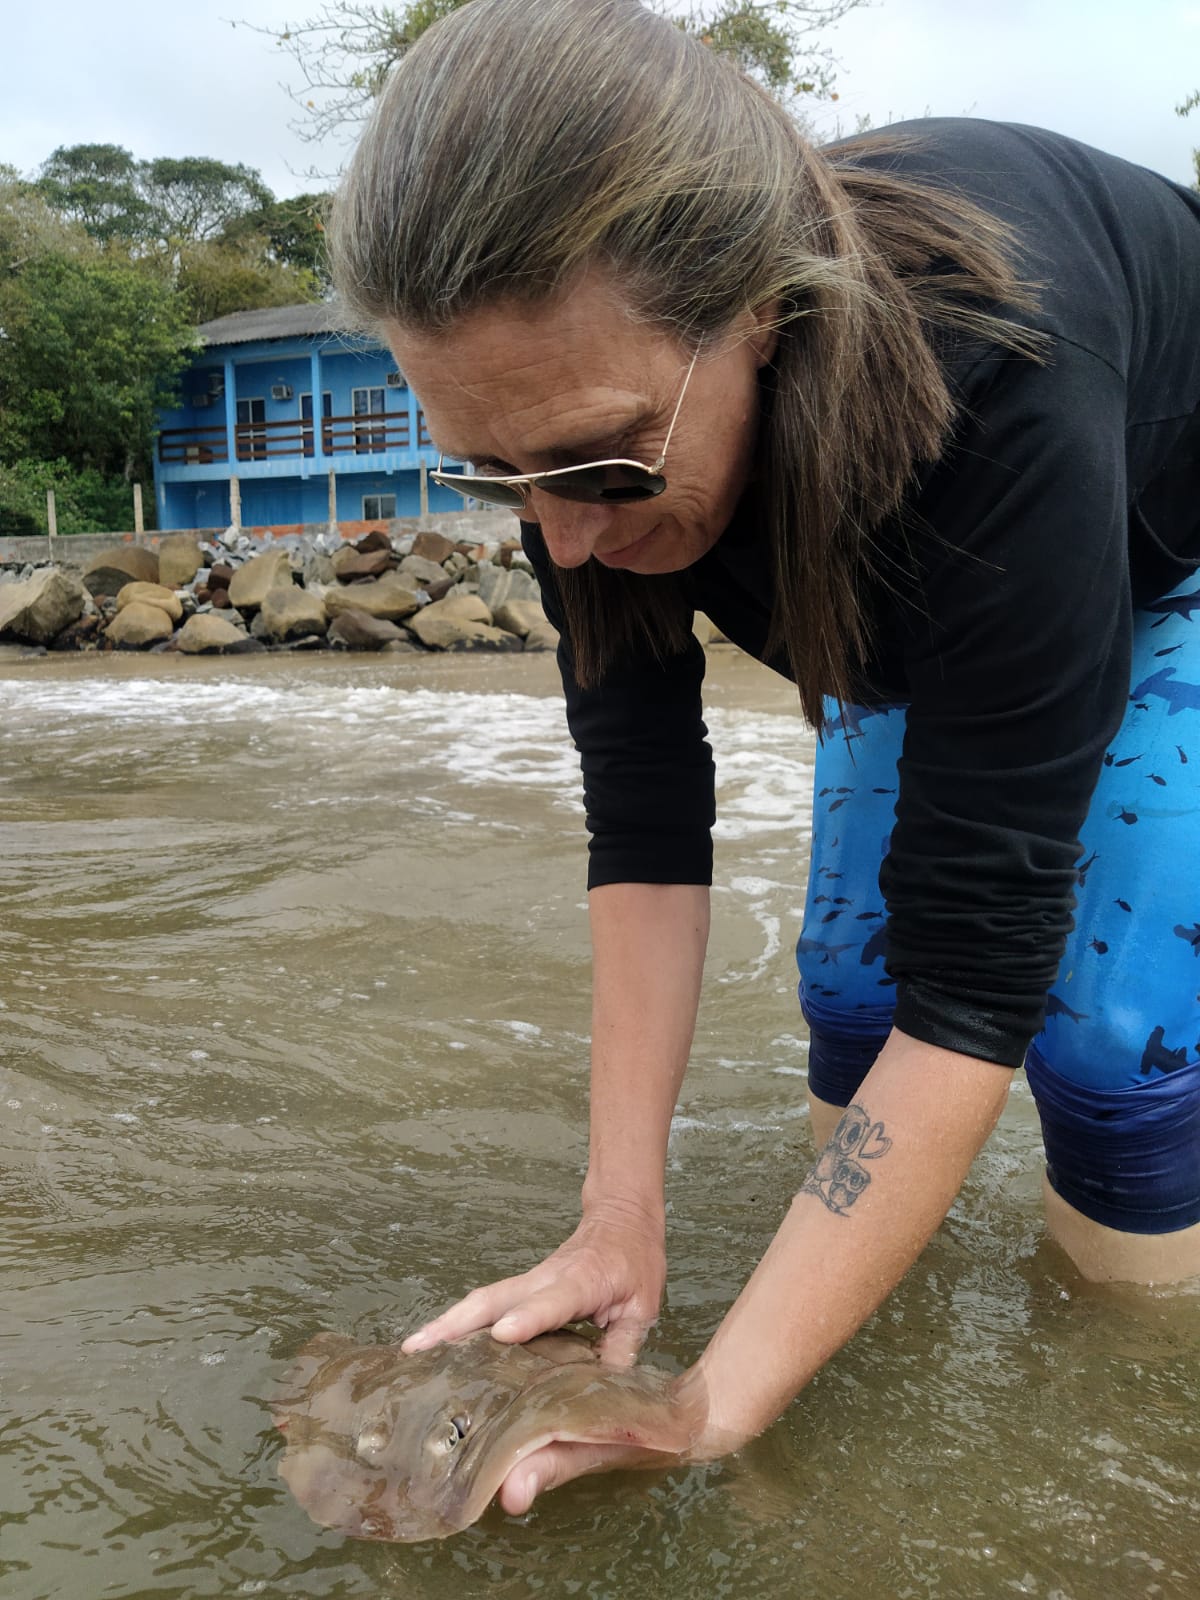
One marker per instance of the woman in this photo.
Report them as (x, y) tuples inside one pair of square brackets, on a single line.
[(914, 419)]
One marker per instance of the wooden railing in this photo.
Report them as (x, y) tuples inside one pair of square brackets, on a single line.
[(193, 445), (264, 441)]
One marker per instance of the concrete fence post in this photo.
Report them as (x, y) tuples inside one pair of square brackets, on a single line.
[(235, 503), (333, 516), (139, 524), (51, 521), (424, 490)]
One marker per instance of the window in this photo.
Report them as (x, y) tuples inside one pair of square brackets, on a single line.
[(306, 419), (251, 432), (378, 507), (368, 403)]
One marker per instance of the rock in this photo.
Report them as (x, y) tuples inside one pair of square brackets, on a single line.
[(317, 568), (522, 585), (453, 633), (432, 546), (406, 645), (389, 597), (460, 608), (358, 630), (220, 599), (372, 542), (495, 584), (518, 616), (249, 584), (342, 555), (151, 594), (439, 591), (221, 576), (138, 624), (291, 613), (508, 549), (456, 564), (372, 565), (111, 570), (542, 636), (38, 609), (179, 560), (418, 570), (310, 641), (205, 634)]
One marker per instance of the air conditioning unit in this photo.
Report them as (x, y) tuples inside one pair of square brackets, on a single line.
[(281, 391), (216, 383), (395, 380)]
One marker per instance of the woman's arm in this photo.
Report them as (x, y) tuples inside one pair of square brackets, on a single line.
[(878, 1191), (648, 945)]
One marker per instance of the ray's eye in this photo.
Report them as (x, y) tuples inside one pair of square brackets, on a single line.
[(457, 1431)]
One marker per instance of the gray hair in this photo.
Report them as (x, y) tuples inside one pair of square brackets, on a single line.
[(520, 143)]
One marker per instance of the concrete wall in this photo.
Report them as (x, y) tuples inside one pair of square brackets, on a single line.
[(76, 550)]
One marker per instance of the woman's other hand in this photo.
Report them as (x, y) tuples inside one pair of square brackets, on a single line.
[(696, 1434)]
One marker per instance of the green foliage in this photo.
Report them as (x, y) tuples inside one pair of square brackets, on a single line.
[(97, 186), (84, 501), (93, 345), (214, 279), (194, 197), (291, 232)]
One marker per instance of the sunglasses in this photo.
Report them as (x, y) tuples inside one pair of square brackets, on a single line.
[(614, 482)]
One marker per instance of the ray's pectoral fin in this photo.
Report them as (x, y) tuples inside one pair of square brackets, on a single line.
[(296, 1391)]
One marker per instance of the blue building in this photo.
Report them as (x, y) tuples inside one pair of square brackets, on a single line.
[(287, 420)]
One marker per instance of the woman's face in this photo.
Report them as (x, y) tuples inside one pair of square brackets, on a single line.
[(517, 389)]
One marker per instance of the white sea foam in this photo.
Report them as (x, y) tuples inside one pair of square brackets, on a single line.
[(764, 761)]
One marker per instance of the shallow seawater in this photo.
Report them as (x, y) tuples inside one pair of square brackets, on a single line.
[(293, 1035)]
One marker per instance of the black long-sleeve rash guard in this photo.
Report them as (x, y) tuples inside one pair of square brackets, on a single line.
[(1068, 493)]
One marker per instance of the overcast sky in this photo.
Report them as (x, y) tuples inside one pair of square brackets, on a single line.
[(178, 79)]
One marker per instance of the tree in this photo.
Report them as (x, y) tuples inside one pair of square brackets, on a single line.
[(345, 50), (194, 198), (292, 232), (216, 277), (92, 348), (97, 186)]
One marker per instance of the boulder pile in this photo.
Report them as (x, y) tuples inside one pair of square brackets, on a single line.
[(417, 592)]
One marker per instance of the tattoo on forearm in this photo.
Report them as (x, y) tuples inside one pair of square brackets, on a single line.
[(840, 1176)]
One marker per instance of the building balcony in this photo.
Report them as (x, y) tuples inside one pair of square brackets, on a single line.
[(293, 439)]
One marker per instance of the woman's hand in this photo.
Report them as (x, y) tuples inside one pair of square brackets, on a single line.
[(695, 1421), (611, 1271)]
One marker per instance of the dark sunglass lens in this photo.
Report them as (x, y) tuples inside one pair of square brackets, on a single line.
[(604, 484), (483, 489)]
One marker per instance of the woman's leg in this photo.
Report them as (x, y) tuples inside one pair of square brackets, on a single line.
[(1116, 1069)]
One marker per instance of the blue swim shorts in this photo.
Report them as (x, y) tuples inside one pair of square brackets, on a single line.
[(1115, 1070)]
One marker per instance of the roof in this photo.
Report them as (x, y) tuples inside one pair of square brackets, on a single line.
[(277, 322)]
